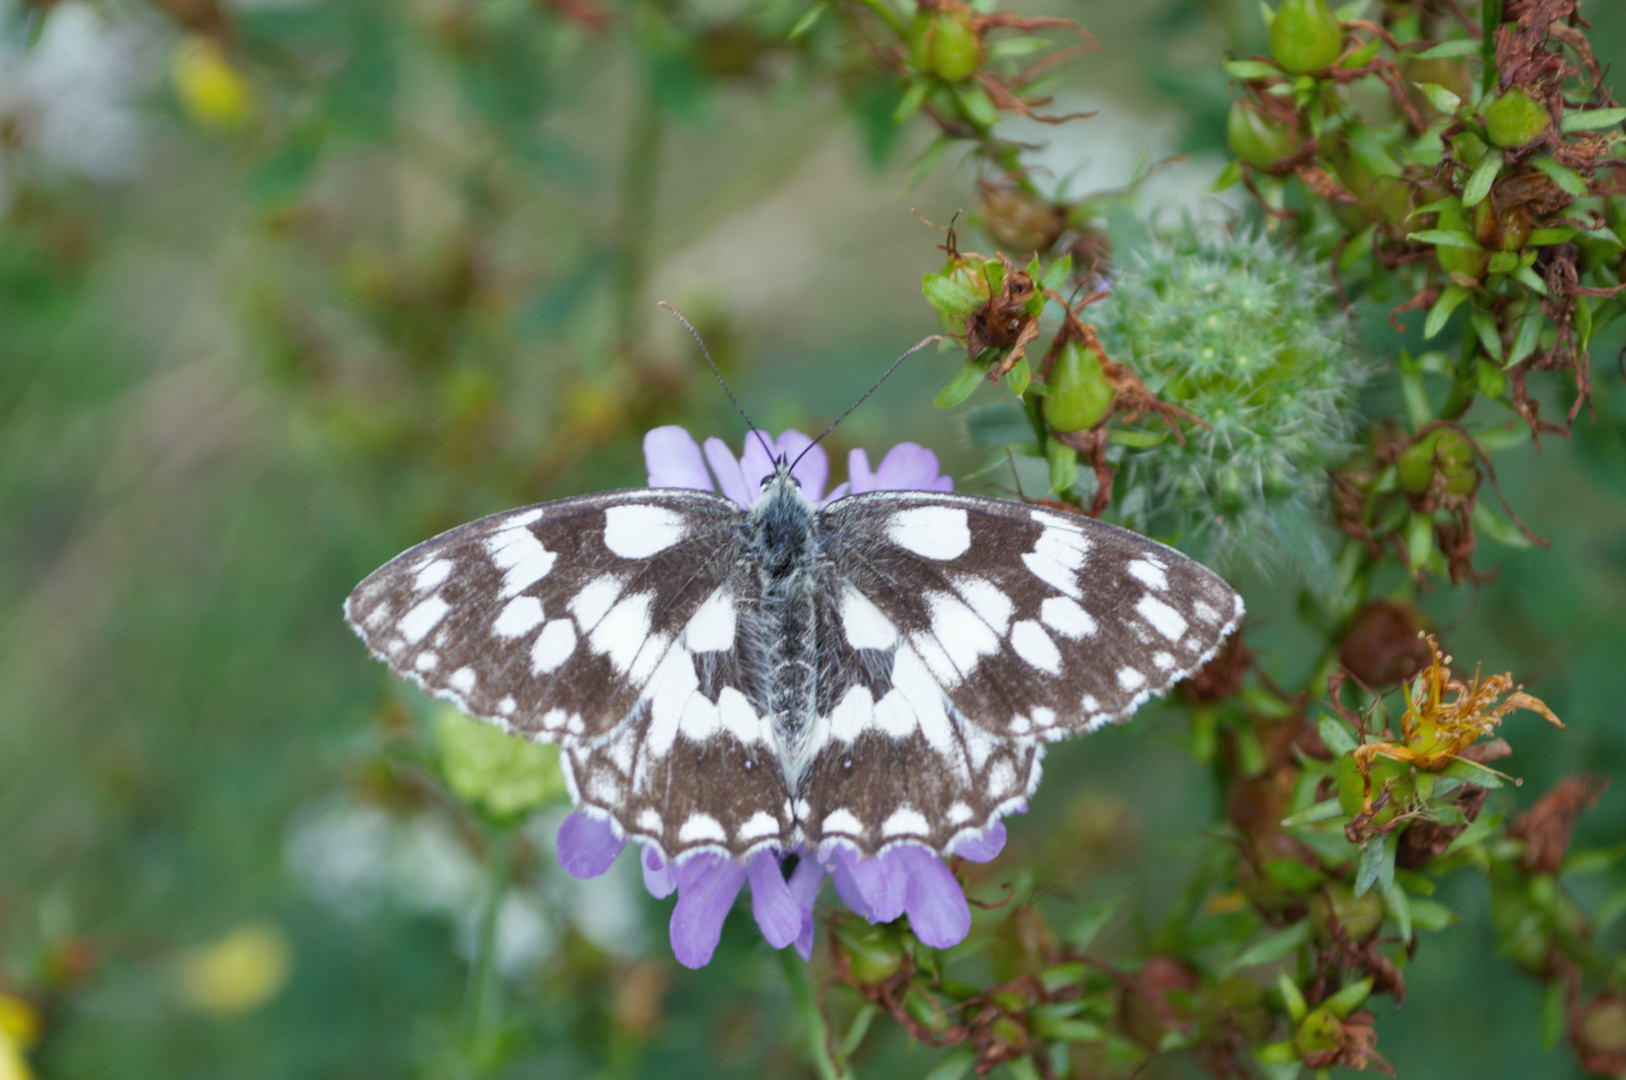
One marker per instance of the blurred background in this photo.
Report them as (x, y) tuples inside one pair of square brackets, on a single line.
[(289, 285)]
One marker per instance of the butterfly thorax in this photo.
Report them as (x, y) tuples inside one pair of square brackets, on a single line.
[(781, 539)]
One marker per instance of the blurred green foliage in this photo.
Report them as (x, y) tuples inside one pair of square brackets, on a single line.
[(287, 286)]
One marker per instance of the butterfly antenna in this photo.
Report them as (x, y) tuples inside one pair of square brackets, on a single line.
[(687, 325), (916, 347)]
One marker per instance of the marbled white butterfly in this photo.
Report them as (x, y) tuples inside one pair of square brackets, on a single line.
[(883, 670)]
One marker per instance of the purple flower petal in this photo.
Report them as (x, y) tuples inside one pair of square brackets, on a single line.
[(778, 915), (813, 471), (659, 877), (910, 467), (938, 913), (805, 882), (587, 845), (726, 466), (874, 888), (673, 459), (837, 492), (707, 885), (755, 462), (860, 477), (983, 848)]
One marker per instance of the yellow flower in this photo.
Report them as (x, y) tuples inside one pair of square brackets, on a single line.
[(19, 1029), (214, 94), (239, 973)]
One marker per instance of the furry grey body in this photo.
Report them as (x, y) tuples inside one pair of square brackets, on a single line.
[(780, 536)]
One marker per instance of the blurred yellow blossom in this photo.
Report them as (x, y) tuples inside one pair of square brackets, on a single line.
[(240, 972), (213, 92)]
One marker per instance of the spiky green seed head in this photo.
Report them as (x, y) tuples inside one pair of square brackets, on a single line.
[(1245, 336)]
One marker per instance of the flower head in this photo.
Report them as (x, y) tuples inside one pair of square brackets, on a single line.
[(905, 879)]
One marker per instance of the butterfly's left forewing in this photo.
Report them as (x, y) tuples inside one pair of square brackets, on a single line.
[(610, 624)]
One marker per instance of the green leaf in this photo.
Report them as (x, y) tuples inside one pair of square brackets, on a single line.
[(1292, 997), (1325, 810), (1554, 1012), (1482, 827), (1490, 17), (1544, 237), (950, 295), (1063, 465), (1608, 911), (1591, 120), (1431, 915), (1339, 739), (1531, 281), (955, 1066), (1485, 327), (1228, 177), (1351, 10), (1274, 946), (1497, 527), (1139, 440), (1056, 274), (1472, 772), (977, 106), (1483, 176), (1017, 379), (1591, 860), (1009, 48), (1252, 69), (1450, 299), (1359, 245), (1091, 921), (1441, 98), (1502, 262), (1268, 13), (1368, 149), (913, 98), (809, 17), (1568, 180), (961, 386), (1459, 47), (1349, 998), (1292, 874), (1419, 539), (1529, 335), (1377, 866), (1399, 907), (1446, 238), (1583, 321)]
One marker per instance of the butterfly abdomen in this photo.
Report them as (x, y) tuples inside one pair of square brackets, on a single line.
[(782, 527)]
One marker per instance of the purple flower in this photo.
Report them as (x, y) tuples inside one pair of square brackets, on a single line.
[(905, 879)]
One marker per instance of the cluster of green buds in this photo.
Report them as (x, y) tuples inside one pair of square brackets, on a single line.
[(1462, 175)]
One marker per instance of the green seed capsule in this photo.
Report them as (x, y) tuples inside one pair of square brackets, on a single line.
[(1077, 394), (1255, 139), (1444, 449), (1305, 36), (945, 44), (1515, 119)]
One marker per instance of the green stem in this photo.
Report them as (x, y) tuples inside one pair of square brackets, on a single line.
[(637, 215), (482, 1003), (814, 1028)]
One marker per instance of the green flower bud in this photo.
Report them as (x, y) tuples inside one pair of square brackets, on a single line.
[(945, 44), (1461, 261), (1515, 119), (1320, 1032), (1305, 36), (1255, 138), (1442, 449), (1356, 917), (502, 776), (1077, 393), (873, 952)]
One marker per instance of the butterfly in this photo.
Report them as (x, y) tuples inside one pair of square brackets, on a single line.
[(885, 669)]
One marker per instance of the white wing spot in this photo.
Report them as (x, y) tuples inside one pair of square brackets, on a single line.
[(934, 532), (1063, 615), (864, 624), (461, 680), (594, 600), (417, 623), (553, 646), (893, 716), (649, 819), (737, 717), (623, 630), (522, 615), (520, 555), (1130, 679), (378, 616), (1002, 777), (1167, 621), (701, 827), (433, 573), (759, 825), (1057, 573), (853, 715), (1149, 573), (1163, 661), (426, 661), (959, 814), (1034, 645), (507, 705), (843, 821), (963, 635), (906, 821), (1204, 611), (1089, 704), (987, 600), (639, 531), (711, 627), (668, 693), (924, 697)]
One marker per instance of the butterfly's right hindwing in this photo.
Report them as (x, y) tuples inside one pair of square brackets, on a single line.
[(553, 619)]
